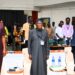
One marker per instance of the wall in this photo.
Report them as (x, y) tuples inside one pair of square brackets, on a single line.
[(57, 13), (16, 4), (28, 4), (50, 2)]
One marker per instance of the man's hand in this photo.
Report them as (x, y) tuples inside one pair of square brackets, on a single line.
[(68, 37), (4, 52), (47, 57), (61, 38), (30, 57)]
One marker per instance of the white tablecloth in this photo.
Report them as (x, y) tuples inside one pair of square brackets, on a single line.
[(8, 60), (12, 60), (56, 56)]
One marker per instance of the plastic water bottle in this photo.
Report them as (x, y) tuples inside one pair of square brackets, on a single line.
[(53, 61), (59, 61)]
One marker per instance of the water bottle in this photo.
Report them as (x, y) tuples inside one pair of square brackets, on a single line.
[(53, 61), (59, 61)]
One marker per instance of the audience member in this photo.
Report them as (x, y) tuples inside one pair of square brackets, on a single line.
[(73, 46), (68, 31), (59, 33), (26, 27), (2, 42)]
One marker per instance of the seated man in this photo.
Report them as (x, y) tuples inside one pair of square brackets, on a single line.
[(59, 33)]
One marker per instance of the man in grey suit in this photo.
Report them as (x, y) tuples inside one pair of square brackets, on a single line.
[(38, 49)]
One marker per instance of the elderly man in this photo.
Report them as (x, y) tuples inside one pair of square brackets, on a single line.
[(38, 51)]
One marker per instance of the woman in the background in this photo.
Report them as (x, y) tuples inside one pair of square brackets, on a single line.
[(22, 33), (50, 34), (14, 36), (50, 31), (2, 42), (10, 35), (17, 38), (6, 32)]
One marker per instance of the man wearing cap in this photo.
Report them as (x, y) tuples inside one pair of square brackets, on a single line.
[(38, 51)]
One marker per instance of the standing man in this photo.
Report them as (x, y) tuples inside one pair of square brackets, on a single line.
[(73, 45), (2, 42), (26, 35), (68, 31), (38, 51)]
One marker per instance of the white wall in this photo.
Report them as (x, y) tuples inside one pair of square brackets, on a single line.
[(28, 4), (16, 4), (50, 2), (58, 13)]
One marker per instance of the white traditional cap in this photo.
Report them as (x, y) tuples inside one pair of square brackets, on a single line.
[(39, 21)]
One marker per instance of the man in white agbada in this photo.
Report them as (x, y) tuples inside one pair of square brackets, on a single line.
[(26, 29)]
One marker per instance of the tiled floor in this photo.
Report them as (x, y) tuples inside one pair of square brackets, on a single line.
[(69, 61)]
